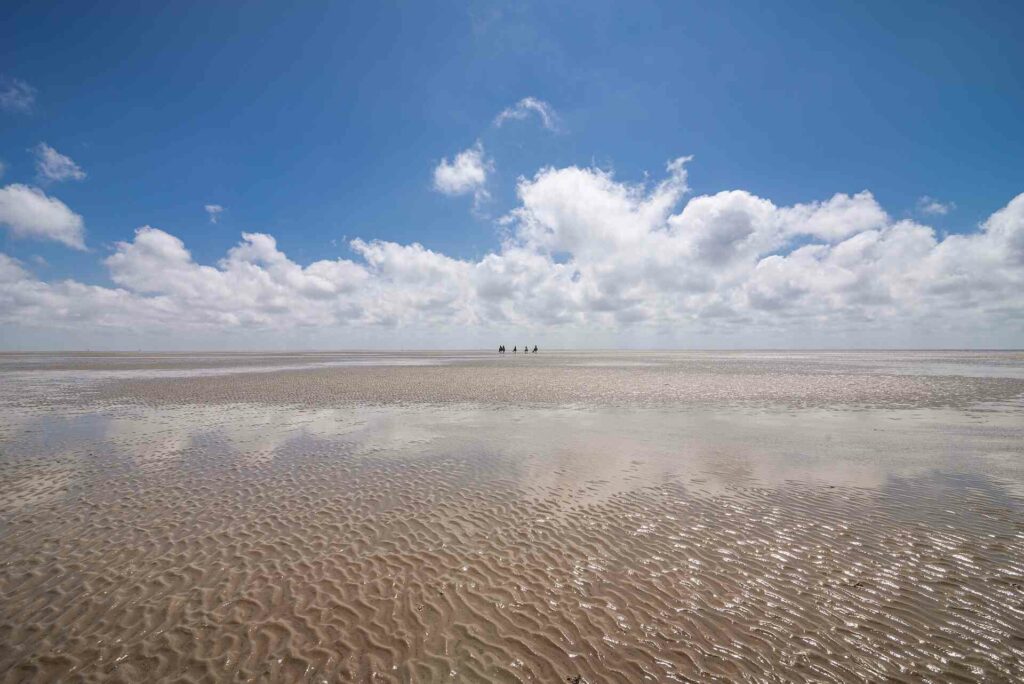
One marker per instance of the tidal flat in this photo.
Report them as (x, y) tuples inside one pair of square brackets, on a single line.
[(465, 516)]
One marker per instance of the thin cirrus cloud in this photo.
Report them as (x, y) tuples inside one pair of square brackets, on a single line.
[(587, 256), (526, 107), (51, 165), (16, 96), (28, 212)]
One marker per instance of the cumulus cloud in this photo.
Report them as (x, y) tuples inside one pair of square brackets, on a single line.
[(465, 173), (213, 211), (29, 213), (524, 108), (932, 206), (54, 166), (839, 217), (16, 96), (586, 257)]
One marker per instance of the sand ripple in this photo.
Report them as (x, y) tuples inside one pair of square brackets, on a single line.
[(321, 565), (275, 527)]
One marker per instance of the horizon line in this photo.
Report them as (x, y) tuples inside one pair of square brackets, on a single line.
[(413, 350)]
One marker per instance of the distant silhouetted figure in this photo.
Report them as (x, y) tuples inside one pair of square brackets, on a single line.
[(513, 350), (534, 349), (501, 349)]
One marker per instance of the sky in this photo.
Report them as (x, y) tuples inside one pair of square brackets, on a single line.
[(326, 175)]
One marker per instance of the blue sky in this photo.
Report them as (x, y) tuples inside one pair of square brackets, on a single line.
[(323, 122)]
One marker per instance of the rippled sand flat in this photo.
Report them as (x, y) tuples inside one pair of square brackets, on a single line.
[(463, 517)]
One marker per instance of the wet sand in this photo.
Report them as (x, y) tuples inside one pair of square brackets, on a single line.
[(464, 517)]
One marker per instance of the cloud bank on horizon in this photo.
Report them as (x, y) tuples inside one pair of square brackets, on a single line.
[(586, 257)]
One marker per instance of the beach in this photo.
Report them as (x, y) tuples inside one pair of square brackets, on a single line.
[(469, 516)]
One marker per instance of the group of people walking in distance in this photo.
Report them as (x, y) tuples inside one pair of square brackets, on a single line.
[(526, 349)]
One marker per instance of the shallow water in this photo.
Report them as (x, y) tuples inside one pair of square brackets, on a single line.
[(618, 517)]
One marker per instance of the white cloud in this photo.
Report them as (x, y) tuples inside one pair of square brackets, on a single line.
[(54, 166), (587, 260), (29, 213), (213, 211), (466, 173), (11, 270), (16, 96), (522, 109), (932, 206), (836, 218)]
